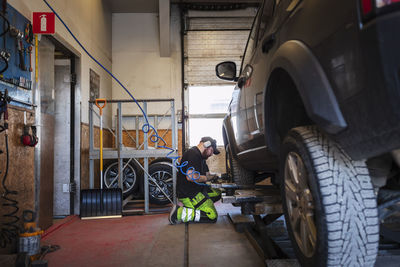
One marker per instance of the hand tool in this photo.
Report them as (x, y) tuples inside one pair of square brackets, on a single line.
[(30, 58), (19, 36)]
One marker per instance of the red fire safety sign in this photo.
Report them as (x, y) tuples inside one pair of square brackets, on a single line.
[(43, 23)]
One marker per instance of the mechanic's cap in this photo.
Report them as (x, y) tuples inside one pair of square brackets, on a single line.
[(213, 143)]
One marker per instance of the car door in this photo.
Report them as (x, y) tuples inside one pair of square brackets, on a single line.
[(239, 95), (256, 81)]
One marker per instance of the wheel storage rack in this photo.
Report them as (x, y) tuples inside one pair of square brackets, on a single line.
[(142, 151)]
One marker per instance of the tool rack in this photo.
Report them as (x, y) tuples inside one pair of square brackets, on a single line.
[(143, 151)]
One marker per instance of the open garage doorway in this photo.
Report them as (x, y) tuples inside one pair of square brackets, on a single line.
[(206, 44), (207, 109), (58, 101)]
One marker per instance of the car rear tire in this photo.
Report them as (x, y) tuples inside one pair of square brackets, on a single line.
[(239, 174), (329, 202)]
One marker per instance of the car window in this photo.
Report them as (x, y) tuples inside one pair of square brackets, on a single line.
[(266, 18), (251, 42)]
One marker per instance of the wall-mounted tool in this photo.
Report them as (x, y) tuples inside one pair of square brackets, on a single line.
[(30, 58), (19, 36), (27, 138), (21, 52), (29, 33)]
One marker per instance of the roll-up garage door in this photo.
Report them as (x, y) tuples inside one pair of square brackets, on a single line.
[(212, 37)]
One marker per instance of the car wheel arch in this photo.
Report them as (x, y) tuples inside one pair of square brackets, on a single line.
[(312, 83), (296, 60), (229, 136), (281, 113)]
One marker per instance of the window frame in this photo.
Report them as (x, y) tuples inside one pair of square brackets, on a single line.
[(254, 29)]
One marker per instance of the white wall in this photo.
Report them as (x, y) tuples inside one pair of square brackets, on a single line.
[(137, 62), (90, 21)]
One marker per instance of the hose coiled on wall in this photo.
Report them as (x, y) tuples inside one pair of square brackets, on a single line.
[(147, 127), (9, 228)]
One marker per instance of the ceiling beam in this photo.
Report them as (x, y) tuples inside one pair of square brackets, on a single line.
[(164, 20)]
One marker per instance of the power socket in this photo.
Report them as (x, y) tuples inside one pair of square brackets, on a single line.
[(66, 188)]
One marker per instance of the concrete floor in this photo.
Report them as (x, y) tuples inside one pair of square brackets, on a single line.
[(148, 241)]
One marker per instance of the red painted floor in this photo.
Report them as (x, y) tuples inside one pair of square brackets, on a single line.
[(103, 242), (148, 240)]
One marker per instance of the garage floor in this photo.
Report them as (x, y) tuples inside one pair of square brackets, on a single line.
[(148, 241)]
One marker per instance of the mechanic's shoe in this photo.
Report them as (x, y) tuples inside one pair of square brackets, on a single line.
[(173, 215)]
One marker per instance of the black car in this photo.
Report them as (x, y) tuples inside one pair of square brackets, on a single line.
[(316, 106)]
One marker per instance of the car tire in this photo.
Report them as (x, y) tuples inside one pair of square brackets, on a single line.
[(239, 175), (331, 214), (162, 173), (130, 181)]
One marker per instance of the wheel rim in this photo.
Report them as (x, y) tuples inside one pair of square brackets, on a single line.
[(129, 177), (300, 204), (165, 181)]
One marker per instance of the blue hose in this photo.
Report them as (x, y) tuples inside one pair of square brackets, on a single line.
[(147, 127)]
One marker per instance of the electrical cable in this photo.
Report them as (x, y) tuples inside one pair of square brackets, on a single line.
[(6, 29), (48, 249), (5, 62), (6, 21), (147, 127)]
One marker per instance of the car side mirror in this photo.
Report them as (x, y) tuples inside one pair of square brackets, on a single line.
[(226, 71)]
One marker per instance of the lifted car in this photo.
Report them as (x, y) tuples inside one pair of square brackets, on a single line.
[(316, 106)]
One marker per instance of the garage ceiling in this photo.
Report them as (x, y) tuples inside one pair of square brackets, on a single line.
[(151, 6)]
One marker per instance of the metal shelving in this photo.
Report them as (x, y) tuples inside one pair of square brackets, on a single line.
[(143, 151)]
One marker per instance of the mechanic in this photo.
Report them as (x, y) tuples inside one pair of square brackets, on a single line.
[(197, 197)]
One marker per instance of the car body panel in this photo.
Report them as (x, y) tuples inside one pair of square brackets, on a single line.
[(346, 71)]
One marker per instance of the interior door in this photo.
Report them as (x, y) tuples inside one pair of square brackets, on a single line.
[(44, 152)]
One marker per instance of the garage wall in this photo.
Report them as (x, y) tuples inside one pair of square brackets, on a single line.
[(90, 21), (137, 62), (20, 176)]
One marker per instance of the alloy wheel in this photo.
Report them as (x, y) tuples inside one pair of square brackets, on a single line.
[(111, 179), (300, 204), (165, 181)]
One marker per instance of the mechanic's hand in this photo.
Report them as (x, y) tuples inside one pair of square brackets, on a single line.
[(214, 178), (225, 176)]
